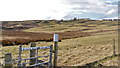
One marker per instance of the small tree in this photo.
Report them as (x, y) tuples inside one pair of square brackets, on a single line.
[(75, 18), (61, 20)]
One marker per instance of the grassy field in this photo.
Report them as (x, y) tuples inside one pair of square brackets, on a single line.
[(74, 27), (78, 51)]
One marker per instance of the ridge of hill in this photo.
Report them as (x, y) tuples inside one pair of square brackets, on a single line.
[(20, 25)]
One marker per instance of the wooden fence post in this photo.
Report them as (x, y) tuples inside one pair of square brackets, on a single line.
[(1, 54), (8, 58), (19, 57), (24, 65), (114, 47), (32, 53), (55, 49)]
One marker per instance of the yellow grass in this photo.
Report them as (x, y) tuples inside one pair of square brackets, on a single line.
[(78, 51)]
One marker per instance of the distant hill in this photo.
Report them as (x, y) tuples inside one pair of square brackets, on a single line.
[(19, 25)]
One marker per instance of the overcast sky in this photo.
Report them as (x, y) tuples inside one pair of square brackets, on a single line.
[(16, 10)]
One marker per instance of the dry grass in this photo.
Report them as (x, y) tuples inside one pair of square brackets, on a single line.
[(111, 62), (78, 51), (82, 50), (20, 37)]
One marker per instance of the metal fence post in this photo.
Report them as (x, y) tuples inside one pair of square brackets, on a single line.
[(8, 58), (32, 53), (50, 61)]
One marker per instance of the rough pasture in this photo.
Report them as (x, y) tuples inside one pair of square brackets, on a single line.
[(19, 37)]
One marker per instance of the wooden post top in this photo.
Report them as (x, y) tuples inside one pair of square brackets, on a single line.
[(33, 44)]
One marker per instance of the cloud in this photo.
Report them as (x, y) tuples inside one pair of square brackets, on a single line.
[(28, 9), (57, 9), (95, 9), (111, 11)]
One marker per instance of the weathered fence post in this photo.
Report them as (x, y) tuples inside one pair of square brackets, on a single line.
[(19, 57), (8, 58), (32, 53), (55, 49), (50, 61), (1, 42), (24, 65), (114, 47), (1, 54)]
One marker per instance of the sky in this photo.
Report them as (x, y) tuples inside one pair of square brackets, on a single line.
[(18, 10)]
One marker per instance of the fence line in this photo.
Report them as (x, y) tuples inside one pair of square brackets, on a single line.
[(33, 57)]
